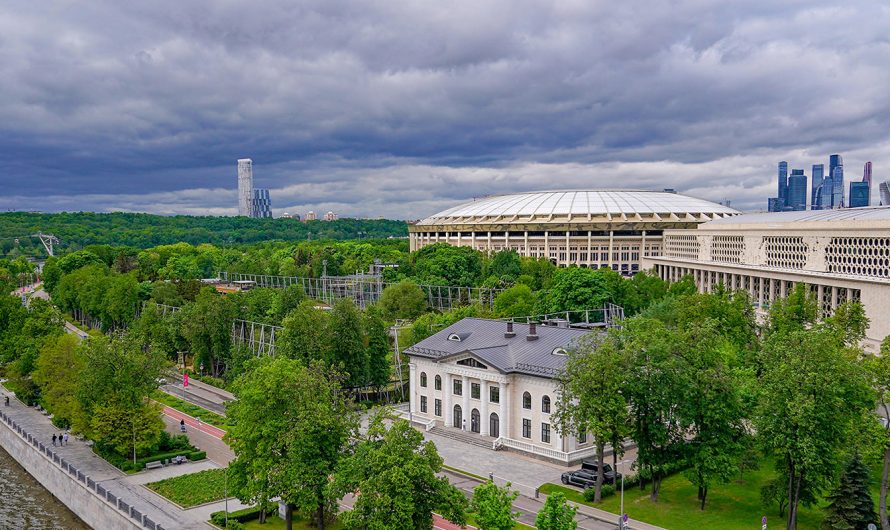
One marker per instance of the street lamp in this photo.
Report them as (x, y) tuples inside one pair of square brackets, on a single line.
[(226, 494)]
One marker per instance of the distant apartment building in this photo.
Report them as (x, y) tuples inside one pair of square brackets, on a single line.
[(262, 204), (310, 216), (330, 216), (294, 216)]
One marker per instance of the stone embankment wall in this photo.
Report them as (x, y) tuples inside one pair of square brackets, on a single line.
[(96, 506)]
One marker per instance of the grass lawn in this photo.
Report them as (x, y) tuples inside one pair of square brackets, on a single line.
[(191, 409), (273, 522), (729, 507), (192, 489)]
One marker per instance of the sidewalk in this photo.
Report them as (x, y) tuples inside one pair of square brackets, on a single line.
[(78, 454)]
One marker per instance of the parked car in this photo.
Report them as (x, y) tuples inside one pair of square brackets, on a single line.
[(609, 474), (580, 477)]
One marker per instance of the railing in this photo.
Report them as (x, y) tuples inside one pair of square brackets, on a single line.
[(259, 337), (553, 454), (85, 480)]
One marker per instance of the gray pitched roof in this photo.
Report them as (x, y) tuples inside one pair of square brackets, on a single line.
[(485, 340)]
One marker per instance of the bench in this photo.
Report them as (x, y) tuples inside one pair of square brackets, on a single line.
[(157, 464)]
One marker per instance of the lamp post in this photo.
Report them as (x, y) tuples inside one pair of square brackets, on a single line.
[(622, 522), (226, 494)]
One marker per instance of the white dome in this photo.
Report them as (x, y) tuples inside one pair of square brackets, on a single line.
[(580, 206)]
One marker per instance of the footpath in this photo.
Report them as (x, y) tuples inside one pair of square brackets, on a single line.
[(124, 492)]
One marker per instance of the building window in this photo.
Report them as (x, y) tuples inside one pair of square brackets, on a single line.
[(437, 407), (526, 428), (527, 401), (423, 379), (582, 437), (494, 394), (545, 433), (474, 390), (438, 383), (458, 387), (422, 403), (545, 404)]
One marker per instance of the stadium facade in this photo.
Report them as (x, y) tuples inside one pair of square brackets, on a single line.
[(588, 228)]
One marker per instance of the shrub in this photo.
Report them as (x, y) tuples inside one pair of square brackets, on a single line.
[(242, 516), (606, 490)]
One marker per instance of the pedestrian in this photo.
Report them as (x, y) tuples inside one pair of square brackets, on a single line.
[(60, 439), (54, 439), (182, 425), (66, 438), (7, 401)]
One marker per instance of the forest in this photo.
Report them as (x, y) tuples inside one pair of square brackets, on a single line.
[(142, 230)]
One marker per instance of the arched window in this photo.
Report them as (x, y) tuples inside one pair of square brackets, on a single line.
[(527, 401), (423, 379), (545, 404), (438, 383)]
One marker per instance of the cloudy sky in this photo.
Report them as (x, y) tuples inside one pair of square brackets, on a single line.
[(402, 108)]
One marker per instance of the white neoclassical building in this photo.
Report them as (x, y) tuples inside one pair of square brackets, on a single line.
[(588, 228), (839, 255), (492, 383)]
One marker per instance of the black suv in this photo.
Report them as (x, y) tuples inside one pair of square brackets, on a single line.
[(586, 476)]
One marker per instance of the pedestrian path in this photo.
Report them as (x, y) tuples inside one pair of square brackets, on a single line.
[(79, 455)]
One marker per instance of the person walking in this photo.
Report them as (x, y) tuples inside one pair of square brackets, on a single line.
[(54, 439), (66, 438), (7, 401)]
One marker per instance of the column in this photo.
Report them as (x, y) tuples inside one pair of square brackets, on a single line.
[(820, 293), (547, 244), (833, 298), (446, 382), (505, 410), (760, 295), (465, 413), (525, 251), (414, 387), (589, 256), (611, 246), (483, 410)]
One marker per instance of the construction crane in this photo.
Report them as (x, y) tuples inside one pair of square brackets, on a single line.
[(46, 239)]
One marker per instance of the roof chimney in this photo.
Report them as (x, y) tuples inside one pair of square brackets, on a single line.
[(509, 334), (532, 332)]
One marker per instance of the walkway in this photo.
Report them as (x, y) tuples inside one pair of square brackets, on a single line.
[(200, 394), (78, 454)]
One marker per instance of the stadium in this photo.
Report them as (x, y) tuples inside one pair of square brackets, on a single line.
[(588, 228)]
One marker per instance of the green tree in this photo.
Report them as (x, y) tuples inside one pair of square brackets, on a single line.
[(396, 472), (879, 371), (207, 326), (556, 514), (814, 395), (379, 365), (291, 425), (443, 264), (850, 505), (403, 300), (493, 506), (577, 289), (590, 398), (505, 265), (288, 299), (306, 334), (517, 301), (58, 371), (347, 342)]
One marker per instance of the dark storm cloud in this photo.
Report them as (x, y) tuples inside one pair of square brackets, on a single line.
[(401, 108)]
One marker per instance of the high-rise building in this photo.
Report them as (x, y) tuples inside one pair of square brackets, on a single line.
[(262, 204), (884, 188), (783, 183), (245, 187), (859, 194), (836, 171), (796, 195), (330, 216), (866, 173), (816, 183), (310, 216)]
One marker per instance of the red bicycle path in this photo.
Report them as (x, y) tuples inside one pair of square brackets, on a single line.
[(438, 521)]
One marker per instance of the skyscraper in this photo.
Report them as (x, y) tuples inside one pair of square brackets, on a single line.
[(245, 187), (866, 173), (781, 201), (816, 183), (261, 207), (884, 188), (836, 171), (859, 194), (796, 194)]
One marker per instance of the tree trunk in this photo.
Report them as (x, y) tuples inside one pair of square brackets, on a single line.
[(882, 505), (656, 485), (600, 457), (704, 495), (288, 517), (320, 515), (792, 508)]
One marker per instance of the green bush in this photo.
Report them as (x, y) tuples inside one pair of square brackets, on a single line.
[(197, 455), (242, 516), (606, 490)]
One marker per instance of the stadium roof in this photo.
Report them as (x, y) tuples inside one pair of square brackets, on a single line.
[(583, 205), (868, 217)]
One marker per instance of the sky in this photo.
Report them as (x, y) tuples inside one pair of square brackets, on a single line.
[(402, 108)]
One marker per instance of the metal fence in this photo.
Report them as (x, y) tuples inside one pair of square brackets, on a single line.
[(259, 337), (364, 289)]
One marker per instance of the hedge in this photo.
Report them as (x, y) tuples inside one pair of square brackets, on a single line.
[(242, 516)]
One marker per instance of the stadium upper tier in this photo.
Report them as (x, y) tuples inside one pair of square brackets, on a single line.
[(589, 228), (574, 206)]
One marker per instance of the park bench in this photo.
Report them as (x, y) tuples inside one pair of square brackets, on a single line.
[(157, 464)]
